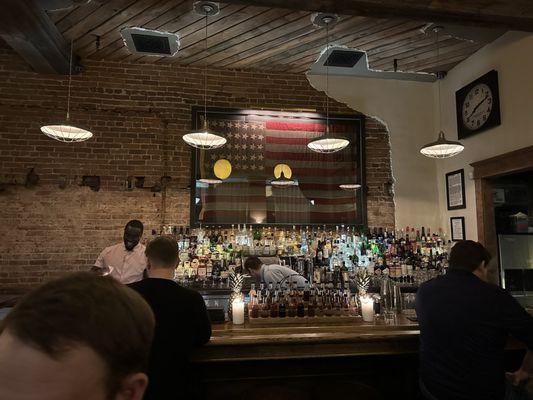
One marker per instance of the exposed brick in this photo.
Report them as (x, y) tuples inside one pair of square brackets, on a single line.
[(138, 114)]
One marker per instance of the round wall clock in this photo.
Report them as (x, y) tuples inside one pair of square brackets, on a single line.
[(478, 105)]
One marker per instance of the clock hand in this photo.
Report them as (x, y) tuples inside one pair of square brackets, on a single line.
[(476, 107)]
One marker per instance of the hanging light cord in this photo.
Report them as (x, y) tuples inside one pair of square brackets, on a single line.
[(205, 74), (327, 78), (439, 76), (69, 78)]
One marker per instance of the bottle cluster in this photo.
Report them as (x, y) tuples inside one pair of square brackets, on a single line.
[(321, 254), (293, 302)]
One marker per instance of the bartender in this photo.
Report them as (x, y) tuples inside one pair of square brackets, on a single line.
[(126, 262), (273, 273)]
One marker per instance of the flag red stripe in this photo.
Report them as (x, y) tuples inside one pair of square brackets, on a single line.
[(276, 125)]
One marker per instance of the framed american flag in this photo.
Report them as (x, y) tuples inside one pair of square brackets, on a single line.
[(257, 141)]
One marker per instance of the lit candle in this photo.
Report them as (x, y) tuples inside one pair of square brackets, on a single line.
[(238, 312), (367, 308)]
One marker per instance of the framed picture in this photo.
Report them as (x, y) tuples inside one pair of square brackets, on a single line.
[(261, 142), (457, 228), (455, 189)]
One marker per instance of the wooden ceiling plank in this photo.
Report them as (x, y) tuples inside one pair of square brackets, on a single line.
[(359, 44), (104, 13), (196, 39), (239, 42), (186, 24), (287, 41), (446, 56), (515, 15), (76, 15), (309, 54), (237, 34), (405, 52), (26, 27), (113, 44), (227, 28), (426, 52), (410, 43), (110, 31), (437, 66), (57, 15), (298, 27)]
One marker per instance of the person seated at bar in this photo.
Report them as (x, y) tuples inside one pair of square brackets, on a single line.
[(464, 325), (126, 261), (78, 337), (273, 273), (182, 323)]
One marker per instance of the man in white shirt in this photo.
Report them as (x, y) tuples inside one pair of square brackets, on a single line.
[(274, 273), (126, 262)]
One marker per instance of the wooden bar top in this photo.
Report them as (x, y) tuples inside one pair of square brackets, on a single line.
[(238, 343)]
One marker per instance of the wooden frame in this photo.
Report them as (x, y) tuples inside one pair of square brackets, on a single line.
[(461, 203), (197, 112), (455, 234), (504, 164)]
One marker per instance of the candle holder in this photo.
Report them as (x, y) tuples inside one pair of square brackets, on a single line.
[(238, 311), (367, 308)]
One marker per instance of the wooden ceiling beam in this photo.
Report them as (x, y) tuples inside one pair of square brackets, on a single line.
[(25, 26), (508, 15)]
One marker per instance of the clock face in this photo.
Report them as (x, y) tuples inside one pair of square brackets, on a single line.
[(477, 106)]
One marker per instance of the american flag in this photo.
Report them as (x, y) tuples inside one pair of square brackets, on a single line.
[(255, 146)]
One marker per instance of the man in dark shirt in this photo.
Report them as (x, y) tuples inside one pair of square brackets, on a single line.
[(181, 319), (464, 324)]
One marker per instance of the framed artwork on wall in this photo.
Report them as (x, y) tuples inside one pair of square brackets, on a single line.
[(457, 225), (261, 142), (455, 190)]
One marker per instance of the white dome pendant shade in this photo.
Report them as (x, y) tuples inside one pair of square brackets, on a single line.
[(64, 132), (210, 181), (328, 143), (442, 148), (350, 186), (204, 139)]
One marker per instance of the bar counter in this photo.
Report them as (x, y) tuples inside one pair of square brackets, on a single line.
[(309, 340), (310, 360), (315, 360)]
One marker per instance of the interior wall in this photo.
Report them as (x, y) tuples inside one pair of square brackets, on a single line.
[(512, 56), (407, 109), (138, 114)]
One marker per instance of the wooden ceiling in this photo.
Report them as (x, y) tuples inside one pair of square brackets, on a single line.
[(255, 37)]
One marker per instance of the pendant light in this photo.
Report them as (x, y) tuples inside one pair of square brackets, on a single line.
[(350, 186), (64, 132), (327, 143), (210, 181), (205, 139), (441, 148), (283, 181)]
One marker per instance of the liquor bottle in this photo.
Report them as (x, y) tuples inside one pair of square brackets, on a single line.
[(282, 310), (255, 308), (307, 293), (300, 308), (274, 306)]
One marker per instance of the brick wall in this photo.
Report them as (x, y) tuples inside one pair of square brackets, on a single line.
[(138, 113)]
